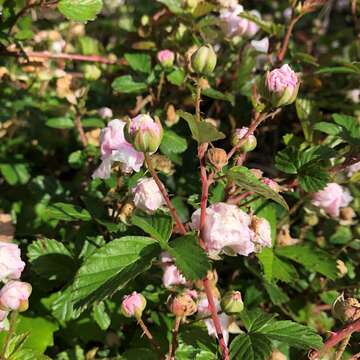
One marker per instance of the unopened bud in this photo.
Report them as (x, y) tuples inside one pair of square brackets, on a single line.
[(203, 61), (166, 58), (311, 219), (232, 303), (182, 305), (133, 305), (217, 157), (249, 144), (144, 133), (346, 310)]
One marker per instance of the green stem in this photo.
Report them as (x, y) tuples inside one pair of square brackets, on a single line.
[(9, 335)]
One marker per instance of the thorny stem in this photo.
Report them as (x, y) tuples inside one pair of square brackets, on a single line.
[(344, 343), (80, 130), (335, 338), (9, 335), (165, 195), (152, 340), (174, 343), (205, 183)]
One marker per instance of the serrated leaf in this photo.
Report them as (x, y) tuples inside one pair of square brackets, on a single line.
[(311, 258), (100, 315), (127, 85), (201, 131), (276, 294), (248, 181), (67, 212), (313, 178), (139, 62), (172, 143), (80, 10), (189, 257), (255, 319), (275, 268), (350, 128), (292, 333), (250, 347), (60, 123), (111, 268), (159, 226), (28, 354), (15, 344)]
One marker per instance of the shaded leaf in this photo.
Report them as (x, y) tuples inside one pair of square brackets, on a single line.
[(126, 84)]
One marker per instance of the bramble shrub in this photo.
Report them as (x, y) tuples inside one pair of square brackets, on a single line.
[(179, 179)]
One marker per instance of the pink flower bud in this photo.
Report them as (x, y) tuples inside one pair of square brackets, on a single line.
[(332, 198), (282, 86), (11, 265), (133, 305), (353, 169), (105, 113), (226, 230), (231, 302), (14, 296), (238, 135), (172, 275), (147, 196), (114, 147), (145, 133), (182, 305), (166, 58)]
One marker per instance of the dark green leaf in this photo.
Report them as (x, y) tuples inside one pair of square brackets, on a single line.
[(215, 94), (139, 62), (250, 347), (172, 143), (15, 173), (67, 212)]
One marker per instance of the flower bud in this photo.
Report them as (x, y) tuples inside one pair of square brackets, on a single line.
[(273, 185), (144, 133), (217, 157), (281, 86), (133, 305), (249, 144), (182, 305), (15, 296), (346, 310), (166, 58), (232, 303), (203, 61)]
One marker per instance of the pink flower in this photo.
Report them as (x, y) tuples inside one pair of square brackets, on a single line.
[(114, 147), (261, 46), (11, 265), (203, 306), (352, 169), (14, 296), (271, 184), (166, 57), (226, 229), (147, 196), (262, 231), (332, 198), (133, 305), (172, 275), (281, 79), (105, 113)]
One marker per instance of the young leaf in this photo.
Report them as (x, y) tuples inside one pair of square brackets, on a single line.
[(247, 180), (189, 257), (311, 258), (67, 212), (201, 131), (80, 10), (127, 85), (159, 226), (250, 347), (139, 62), (111, 267)]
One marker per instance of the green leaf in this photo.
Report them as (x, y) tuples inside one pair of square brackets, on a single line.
[(172, 143), (80, 10), (111, 268), (250, 347), (176, 77), (342, 235), (275, 268), (175, 6), (248, 181), (139, 353), (307, 113), (139, 62), (28, 354), (215, 94), (276, 294), (67, 212), (159, 226), (15, 344), (328, 128), (60, 123), (100, 315), (15, 173), (337, 70), (127, 85), (189, 257), (311, 258), (292, 333), (350, 128), (313, 177), (201, 131), (255, 319), (51, 259)]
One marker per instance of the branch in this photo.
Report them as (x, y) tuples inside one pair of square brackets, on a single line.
[(80, 130), (152, 340), (174, 343)]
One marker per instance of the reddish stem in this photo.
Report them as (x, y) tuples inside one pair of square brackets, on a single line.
[(80, 130), (335, 338)]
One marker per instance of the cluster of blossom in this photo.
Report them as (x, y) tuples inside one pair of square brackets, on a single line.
[(14, 294)]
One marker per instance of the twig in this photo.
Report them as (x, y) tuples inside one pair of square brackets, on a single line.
[(9, 335), (140, 104), (335, 338), (165, 195), (80, 130), (152, 340), (344, 343), (198, 100), (160, 86), (174, 343)]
